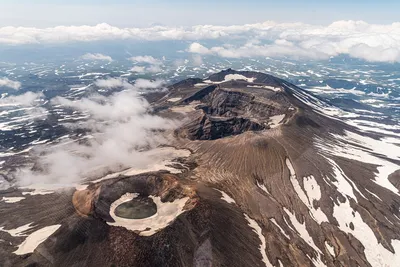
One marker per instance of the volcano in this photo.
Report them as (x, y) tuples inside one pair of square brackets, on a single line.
[(267, 176)]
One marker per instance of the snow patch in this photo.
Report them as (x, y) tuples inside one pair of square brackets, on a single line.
[(330, 248), (374, 127), (312, 101), (272, 88), (314, 192), (276, 120), (303, 233), (342, 182), (263, 188), (232, 77), (257, 229), (312, 188), (38, 192), (12, 199), (174, 99), (361, 148), (201, 84), (295, 183), (18, 231), (302, 230), (186, 108), (375, 253), (375, 195), (226, 197), (280, 228), (35, 239)]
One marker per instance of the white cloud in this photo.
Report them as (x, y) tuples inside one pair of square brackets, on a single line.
[(147, 84), (154, 69), (5, 82), (374, 42), (153, 64), (198, 48), (26, 100), (146, 59), (96, 56), (250, 50), (354, 38), (197, 60), (139, 69), (113, 83), (31, 100), (123, 83), (180, 62), (121, 126), (377, 54), (118, 106), (149, 69)]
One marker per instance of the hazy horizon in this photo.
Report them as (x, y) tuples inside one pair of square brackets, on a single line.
[(120, 13)]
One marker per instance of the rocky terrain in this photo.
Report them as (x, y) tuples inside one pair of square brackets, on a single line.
[(268, 178)]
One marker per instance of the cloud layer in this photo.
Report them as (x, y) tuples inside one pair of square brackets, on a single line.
[(96, 56), (120, 125), (152, 65), (378, 43), (5, 82), (27, 99), (146, 59), (358, 39)]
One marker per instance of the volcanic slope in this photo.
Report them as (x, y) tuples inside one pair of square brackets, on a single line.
[(273, 178)]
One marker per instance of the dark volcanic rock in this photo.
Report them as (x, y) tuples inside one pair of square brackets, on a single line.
[(210, 128), (394, 178), (200, 94), (347, 103), (231, 108)]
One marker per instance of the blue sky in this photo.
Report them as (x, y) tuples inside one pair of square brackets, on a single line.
[(125, 13)]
